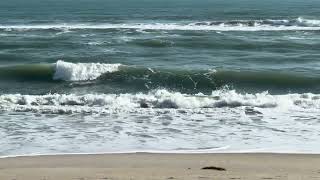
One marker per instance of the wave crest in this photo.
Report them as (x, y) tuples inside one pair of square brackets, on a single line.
[(81, 71)]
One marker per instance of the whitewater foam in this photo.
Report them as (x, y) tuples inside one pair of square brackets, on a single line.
[(299, 24), (155, 100), (308, 22), (159, 121), (81, 71)]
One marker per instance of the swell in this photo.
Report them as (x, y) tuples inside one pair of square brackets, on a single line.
[(32, 72), (205, 80), (298, 24), (148, 78)]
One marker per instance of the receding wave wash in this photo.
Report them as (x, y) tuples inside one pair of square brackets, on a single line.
[(159, 76)]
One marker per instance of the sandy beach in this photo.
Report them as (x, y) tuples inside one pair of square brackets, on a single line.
[(161, 166)]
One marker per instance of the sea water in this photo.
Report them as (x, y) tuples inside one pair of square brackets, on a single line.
[(96, 76)]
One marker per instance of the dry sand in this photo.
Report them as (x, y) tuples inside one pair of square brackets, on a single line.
[(161, 166)]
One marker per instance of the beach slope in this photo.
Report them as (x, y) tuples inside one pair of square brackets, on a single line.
[(162, 166)]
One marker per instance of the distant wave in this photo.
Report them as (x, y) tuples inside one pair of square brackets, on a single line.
[(299, 24), (154, 100)]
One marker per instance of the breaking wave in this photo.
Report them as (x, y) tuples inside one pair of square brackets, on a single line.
[(60, 70), (154, 100), (299, 24), (144, 78), (82, 71)]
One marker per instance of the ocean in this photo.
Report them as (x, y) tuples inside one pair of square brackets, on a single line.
[(99, 76)]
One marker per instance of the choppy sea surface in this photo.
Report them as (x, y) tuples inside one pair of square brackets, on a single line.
[(94, 76)]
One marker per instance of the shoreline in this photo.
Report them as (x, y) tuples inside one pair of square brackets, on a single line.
[(172, 152), (162, 166)]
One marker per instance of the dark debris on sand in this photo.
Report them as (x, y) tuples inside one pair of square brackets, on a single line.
[(213, 168)]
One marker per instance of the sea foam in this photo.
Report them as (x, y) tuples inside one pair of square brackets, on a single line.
[(298, 24), (154, 100), (81, 71)]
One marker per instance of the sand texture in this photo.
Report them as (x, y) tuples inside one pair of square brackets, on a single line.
[(145, 166)]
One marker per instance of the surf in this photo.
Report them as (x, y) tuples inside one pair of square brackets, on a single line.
[(298, 24), (158, 100), (147, 78)]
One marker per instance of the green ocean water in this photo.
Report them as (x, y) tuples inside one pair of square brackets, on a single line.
[(254, 46)]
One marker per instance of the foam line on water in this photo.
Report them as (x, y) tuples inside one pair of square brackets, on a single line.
[(153, 101), (299, 24)]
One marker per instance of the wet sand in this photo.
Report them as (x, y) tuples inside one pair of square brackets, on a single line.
[(146, 166)]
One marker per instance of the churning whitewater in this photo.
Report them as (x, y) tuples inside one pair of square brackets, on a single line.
[(299, 24), (159, 99), (156, 99), (81, 72)]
